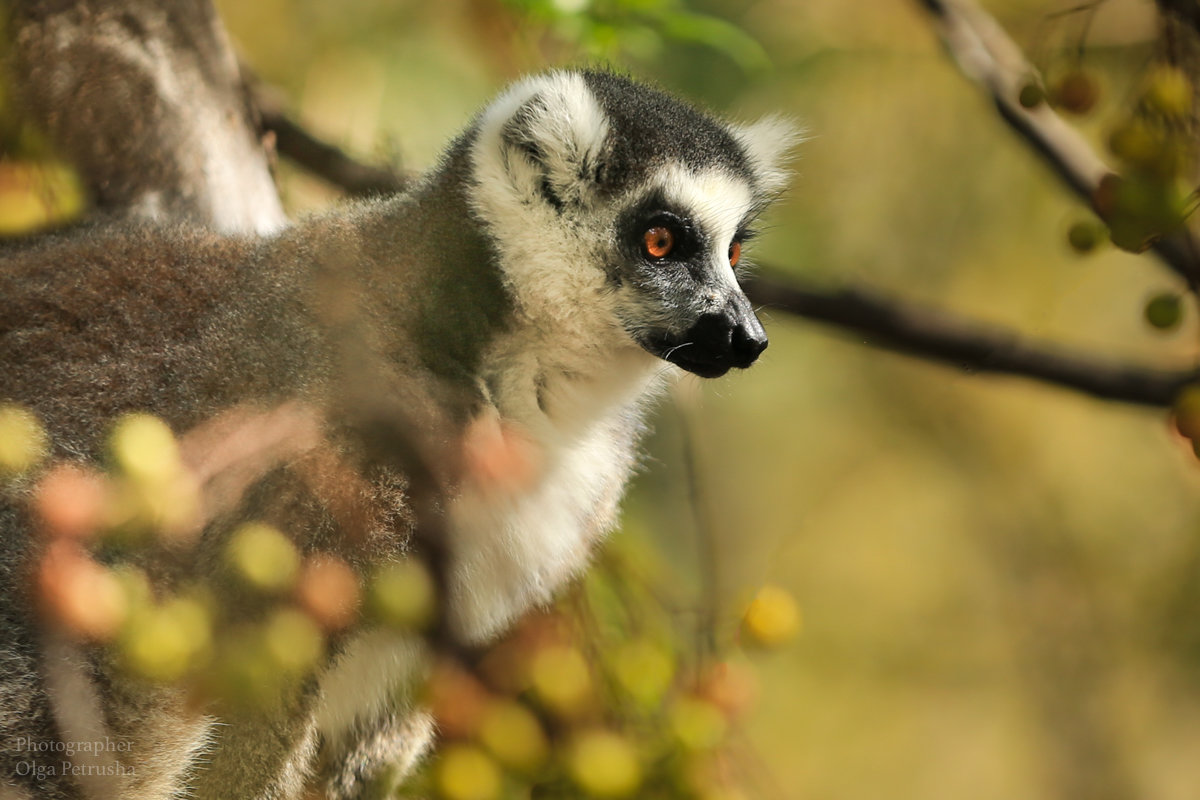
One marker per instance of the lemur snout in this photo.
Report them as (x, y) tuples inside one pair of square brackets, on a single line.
[(748, 341), (720, 340)]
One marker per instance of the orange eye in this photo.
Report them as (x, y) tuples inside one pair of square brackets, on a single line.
[(659, 242), (735, 253)]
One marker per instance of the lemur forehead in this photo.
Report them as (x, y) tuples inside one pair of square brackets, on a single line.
[(651, 128), (719, 202)]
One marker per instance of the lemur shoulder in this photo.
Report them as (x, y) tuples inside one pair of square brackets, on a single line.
[(574, 249)]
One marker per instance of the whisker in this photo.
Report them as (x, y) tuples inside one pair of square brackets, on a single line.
[(671, 352)]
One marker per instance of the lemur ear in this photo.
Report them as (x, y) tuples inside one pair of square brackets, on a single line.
[(551, 145), (768, 144)]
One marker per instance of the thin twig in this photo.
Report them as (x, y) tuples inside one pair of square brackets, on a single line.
[(986, 55), (706, 542), (939, 336)]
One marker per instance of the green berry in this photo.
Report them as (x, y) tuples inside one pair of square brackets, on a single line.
[(1031, 95), (1083, 237), (605, 764), (263, 557), (1164, 311), (402, 594)]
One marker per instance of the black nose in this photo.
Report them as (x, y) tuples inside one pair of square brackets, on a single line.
[(721, 340), (747, 342)]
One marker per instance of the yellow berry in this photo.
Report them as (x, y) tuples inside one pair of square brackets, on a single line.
[(605, 764), (402, 594), (465, 772), (263, 557), (772, 618), (293, 640), (697, 723), (561, 679), (145, 449), (1169, 92), (644, 669), (1135, 141), (513, 735), (158, 644), (22, 440)]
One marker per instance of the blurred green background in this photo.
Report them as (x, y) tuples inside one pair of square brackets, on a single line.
[(998, 579)]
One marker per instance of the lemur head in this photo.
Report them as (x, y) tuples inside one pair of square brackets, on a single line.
[(620, 213)]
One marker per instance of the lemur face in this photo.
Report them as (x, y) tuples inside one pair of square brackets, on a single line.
[(679, 245), (607, 195)]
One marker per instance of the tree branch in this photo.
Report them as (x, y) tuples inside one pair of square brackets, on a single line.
[(938, 336), (986, 55), (889, 324), (321, 158)]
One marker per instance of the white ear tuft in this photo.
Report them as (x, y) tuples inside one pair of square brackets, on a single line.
[(549, 135), (768, 144)]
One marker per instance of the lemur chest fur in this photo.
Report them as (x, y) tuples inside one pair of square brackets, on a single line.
[(542, 485), (525, 525)]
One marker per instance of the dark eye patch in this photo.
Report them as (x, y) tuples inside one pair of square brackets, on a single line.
[(655, 213)]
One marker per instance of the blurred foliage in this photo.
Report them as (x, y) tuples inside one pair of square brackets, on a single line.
[(36, 194), (37, 191), (598, 698), (1154, 142), (621, 31)]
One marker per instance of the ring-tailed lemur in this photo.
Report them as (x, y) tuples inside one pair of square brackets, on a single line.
[(521, 298)]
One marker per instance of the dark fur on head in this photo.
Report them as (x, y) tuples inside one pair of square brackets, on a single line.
[(650, 129)]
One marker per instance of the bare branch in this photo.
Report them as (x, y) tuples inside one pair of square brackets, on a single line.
[(986, 55), (938, 336), (320, 158)]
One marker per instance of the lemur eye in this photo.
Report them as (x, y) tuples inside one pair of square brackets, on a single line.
[(735, 253), (658, 242)]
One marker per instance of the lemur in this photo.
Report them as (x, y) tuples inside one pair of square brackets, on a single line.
[(575, 249)]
